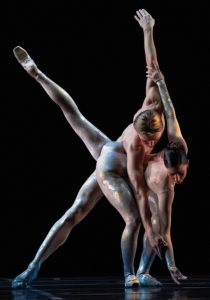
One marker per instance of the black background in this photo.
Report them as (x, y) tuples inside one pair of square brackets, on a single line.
[(94, 50)]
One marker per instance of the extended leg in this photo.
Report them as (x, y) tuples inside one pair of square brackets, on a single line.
[(88, 196), (165, 209), (92, 137)]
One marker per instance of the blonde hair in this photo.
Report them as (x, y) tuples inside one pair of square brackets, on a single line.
[(148, 122)]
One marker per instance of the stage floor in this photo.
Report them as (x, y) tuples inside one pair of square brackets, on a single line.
[(102, 288)]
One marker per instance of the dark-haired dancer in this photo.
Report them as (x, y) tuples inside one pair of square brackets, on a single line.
[(164, 170), (117, 192)]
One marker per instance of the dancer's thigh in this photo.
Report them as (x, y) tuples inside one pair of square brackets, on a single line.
[(112, 178), (88, 196)]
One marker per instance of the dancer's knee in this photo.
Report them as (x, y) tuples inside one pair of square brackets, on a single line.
[(74, 215), (133, 222), (156, 223)]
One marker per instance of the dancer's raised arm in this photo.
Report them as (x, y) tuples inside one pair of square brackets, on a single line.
[(147, 22), (175, 137)]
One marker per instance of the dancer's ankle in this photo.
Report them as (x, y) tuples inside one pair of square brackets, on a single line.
[(34, 265)]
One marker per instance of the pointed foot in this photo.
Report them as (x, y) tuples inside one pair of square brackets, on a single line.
[(148, 280), (25, 60), (131, 281), (22, 281)]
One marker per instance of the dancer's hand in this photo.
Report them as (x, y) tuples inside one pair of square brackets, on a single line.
[(157, 242), (154, 73), (144, 19), (176, 275)]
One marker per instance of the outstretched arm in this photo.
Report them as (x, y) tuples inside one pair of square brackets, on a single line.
[(147, 22), (173, 128), (165, 200), (135, 168)]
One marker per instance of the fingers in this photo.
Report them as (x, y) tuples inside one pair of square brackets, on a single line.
[(155, 74), (156, 66), (176, 275), (139, 14), (149, 74), (142, 15), (183, 277), (162, 244), (142, 12), (179, 275), (165, 244), (173, 275), (149, 70), (157, 250), (145, 12)]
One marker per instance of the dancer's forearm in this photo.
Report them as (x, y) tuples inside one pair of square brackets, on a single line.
[(166, 100), (173, 128), (147, 22), (169, 254), (149, 47), (145, 214)]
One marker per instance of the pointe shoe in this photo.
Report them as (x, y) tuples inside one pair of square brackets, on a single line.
[(131, 281), (25, 60), (148, 280), (22, 281)]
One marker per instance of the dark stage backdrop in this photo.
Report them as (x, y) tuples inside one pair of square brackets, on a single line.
[(94, 50)]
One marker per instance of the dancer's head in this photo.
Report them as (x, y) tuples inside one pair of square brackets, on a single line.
[(176, 162), (148, 124)]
